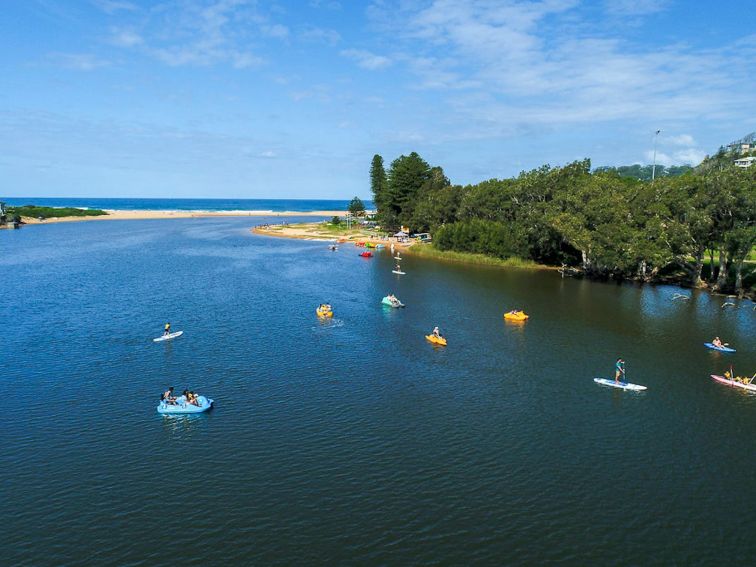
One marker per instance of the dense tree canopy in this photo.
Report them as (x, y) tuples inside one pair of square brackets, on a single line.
[(606, 224), (644, 172)]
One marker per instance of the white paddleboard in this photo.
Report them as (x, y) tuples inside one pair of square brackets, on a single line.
[(397, 272), (621, 385), (168, 337)]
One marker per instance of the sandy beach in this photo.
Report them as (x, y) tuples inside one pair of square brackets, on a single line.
[(148, 215), (314, 231)]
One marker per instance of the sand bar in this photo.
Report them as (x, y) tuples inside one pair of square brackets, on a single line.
[(314, 231), (148, 215)]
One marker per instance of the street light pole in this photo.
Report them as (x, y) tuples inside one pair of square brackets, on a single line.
[(653, 169)]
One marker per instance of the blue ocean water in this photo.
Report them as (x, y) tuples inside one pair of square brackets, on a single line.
[(354, 441), (130, 204)]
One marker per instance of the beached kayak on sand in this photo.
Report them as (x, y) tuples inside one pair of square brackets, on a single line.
[(168, 337), (620, 385), (183, 407)]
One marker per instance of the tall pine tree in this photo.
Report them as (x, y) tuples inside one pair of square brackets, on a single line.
[(378, 182), (405, 178)]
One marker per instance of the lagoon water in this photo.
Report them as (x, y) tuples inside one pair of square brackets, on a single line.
[(356, 441)]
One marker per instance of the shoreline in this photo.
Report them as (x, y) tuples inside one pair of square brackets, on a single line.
[(310, 231), (179, 214)]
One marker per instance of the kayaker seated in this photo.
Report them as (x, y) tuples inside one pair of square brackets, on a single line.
[(190, 398), (717, 342), (436, 332), (168, 396)]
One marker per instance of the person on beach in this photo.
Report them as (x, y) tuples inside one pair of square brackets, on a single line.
[(167, 330), (619, 371), (168, 396)]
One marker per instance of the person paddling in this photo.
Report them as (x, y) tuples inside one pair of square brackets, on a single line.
[(436, 332), (619, 371), (167, 330), (717, 342)]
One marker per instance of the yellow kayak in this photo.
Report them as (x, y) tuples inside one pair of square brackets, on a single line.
[(324, 312), (516, 316), (436, 340)]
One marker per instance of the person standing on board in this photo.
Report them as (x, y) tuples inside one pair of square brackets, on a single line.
[(167, 330), (619, 370)]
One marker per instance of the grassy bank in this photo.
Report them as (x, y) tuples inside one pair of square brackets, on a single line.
[(49, 212), (430, 251)]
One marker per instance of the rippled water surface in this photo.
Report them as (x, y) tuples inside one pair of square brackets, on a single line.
[(356, 441)]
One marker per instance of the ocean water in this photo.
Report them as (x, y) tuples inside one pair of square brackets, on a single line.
[(354, 441), (274, 205)]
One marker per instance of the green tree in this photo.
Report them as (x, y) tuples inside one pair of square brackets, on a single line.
[(378, 184), (406, 177), (356, 207)]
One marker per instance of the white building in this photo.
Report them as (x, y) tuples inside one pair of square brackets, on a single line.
[(745, 162)]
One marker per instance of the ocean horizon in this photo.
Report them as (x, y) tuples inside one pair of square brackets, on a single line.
[(148, 204)]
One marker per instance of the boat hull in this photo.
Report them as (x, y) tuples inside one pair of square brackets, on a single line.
[(734, 384)]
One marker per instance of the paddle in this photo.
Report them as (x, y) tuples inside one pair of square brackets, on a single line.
[(752, 377)]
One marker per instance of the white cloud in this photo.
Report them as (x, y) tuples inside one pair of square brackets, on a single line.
[(268, 154), (276, 30), (366, 59), (636, 7), (113, 6), (506, 65), (78, 61), (328, 4), (690, 156), (681, 140), (321, 35), (125, 38), (201, 33)]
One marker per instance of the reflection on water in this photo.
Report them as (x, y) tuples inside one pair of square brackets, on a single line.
[(184, 427)]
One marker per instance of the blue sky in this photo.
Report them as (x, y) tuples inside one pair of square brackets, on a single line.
[(244, 98)]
